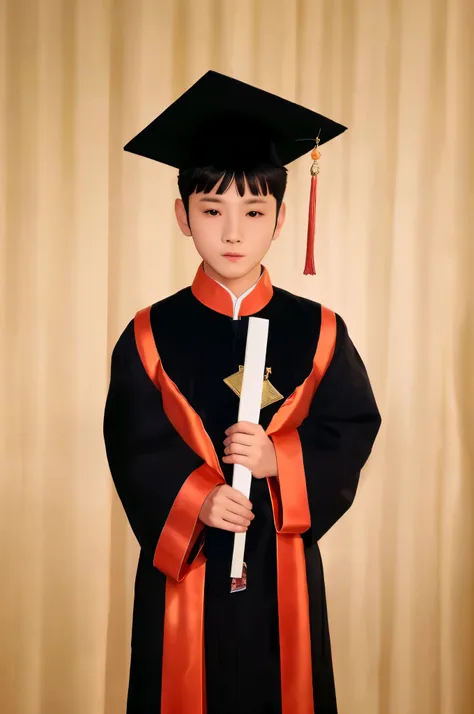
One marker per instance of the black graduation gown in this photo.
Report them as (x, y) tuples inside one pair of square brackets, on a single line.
[(150, 462)]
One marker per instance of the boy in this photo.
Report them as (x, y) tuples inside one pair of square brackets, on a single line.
[(200, 646)]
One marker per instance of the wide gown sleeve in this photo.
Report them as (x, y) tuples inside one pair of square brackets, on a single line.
[(329, 449), (160, 480)]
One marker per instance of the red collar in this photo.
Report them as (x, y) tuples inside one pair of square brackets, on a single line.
[(214, 296)]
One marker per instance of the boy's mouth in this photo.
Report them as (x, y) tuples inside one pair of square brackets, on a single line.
[(233, 256)]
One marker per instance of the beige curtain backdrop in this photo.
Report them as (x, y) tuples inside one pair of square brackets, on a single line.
[(88, 237)]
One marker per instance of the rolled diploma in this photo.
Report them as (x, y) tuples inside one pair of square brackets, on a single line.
[(249, 410)]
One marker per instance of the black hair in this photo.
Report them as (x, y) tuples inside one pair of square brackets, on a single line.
[(262, 180)]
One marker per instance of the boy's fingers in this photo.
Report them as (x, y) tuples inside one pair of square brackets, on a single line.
[(230, 517), (238, 510), (237, 459), (225, 526), (242, 427), (235, 448), (239, 498), (238, 438)]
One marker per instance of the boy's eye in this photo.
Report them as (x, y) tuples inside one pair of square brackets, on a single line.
[(254, 214), (212, 212)]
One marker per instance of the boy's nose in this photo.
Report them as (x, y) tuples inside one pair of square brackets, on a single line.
[(232, 239), (232, 232)]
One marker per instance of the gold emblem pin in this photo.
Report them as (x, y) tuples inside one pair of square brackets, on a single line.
[(270, 394)]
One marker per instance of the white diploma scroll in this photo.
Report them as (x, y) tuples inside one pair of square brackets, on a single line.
[(249, 410)]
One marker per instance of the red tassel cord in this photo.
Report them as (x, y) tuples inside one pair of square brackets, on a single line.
[(309, 268)]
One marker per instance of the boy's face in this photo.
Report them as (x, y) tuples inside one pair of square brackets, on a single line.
[(232, 233)]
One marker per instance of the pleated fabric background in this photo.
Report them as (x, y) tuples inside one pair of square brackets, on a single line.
[(88, 236)]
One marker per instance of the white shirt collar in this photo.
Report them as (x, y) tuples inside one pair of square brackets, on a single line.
[(237, 302)]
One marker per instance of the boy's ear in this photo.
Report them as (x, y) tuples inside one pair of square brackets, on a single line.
[(280, 221), (181, 217)]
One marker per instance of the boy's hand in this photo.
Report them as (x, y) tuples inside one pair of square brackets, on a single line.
[(248, 444), (227, 509)]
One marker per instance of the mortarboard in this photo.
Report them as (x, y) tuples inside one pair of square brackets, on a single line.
[(222, 122)]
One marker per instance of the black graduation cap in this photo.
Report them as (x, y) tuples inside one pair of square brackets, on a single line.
[(222, 122), (220, 115)]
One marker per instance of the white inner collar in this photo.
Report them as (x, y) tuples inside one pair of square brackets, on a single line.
[(237, 302)]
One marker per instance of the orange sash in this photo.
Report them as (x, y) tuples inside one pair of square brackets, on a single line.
[(183, 677)]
